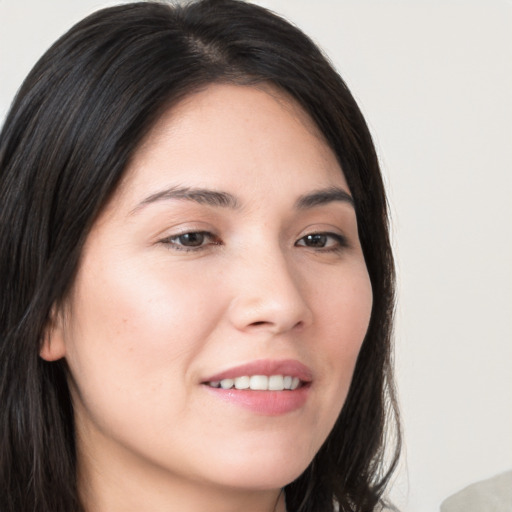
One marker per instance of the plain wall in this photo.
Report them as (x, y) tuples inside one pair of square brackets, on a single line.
[(434, 80)]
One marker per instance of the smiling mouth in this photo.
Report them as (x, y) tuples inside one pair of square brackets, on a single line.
[(264, 387), (259, 383)]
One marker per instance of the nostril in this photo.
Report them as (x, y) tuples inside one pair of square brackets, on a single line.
[(261, 323)]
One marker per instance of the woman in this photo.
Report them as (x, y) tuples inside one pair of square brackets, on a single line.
[(198, 282)]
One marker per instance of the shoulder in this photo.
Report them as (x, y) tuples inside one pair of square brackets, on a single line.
[(492, 495)]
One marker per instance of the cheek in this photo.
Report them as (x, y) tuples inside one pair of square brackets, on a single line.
[(344, 309), (132, 332), (343, 313)]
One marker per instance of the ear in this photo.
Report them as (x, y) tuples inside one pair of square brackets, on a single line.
[(53, 346)]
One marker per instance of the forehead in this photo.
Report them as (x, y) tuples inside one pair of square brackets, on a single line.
[(235, 137), (218, 103)]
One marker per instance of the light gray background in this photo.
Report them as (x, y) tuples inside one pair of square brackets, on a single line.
[(434, 79)]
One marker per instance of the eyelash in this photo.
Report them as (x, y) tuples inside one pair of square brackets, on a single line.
[(174, 244), (340, 241), (171, 241)]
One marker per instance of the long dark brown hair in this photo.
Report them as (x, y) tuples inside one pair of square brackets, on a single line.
[(65, 144)]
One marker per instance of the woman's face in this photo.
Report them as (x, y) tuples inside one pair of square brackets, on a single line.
[(229, 251)]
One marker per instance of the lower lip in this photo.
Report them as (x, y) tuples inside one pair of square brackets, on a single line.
[(268, 403)]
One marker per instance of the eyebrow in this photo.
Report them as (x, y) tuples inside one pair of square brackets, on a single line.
[(323, 196), (199, 195), (222, 199)]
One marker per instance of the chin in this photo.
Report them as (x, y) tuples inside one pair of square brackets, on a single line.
[(259, 473), (262, 480)]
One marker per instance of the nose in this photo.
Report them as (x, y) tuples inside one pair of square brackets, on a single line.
[(268, 294)]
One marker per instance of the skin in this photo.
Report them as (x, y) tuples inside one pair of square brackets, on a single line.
[(148, 319)]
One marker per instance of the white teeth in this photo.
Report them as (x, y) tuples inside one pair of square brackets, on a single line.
[(242, 382), (275, 383), (259, 383), (226, 383)]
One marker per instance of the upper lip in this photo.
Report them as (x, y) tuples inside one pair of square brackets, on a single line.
[(267, 367)]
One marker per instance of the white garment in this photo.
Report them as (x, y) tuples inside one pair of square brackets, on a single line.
[(493, 495)]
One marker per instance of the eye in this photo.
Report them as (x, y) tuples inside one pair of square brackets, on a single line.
[(191, 241), (323, 241)]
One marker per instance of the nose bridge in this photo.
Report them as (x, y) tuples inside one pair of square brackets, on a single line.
[(268, 291)]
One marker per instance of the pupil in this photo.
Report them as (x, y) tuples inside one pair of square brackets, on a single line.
[(192, 239), (316, 240)]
